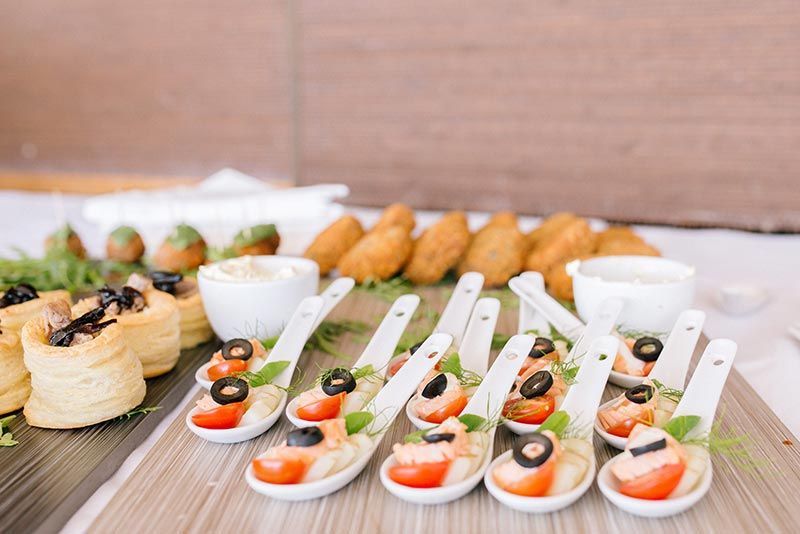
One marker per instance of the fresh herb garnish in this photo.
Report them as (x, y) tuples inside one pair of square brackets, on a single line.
[(358, 373), (452, 364), (388, 290), (556, 423), (632, 333), (679, 426), (473, 422), (675, 395), (554, 336), (265, 375), (356, 421), (328, 332), (499, 340), (567, 370), (137, 411), (506, 297), (734, 448), (6, 439)]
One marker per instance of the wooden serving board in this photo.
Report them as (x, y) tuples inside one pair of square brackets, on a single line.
[(51, 473), (186, 484)]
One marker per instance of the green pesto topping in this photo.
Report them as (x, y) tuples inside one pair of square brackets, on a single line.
[(254, 234), (123, 235), (183, 237)]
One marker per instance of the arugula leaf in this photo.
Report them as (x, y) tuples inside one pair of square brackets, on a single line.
[(356, 421), (473, 422), (557, 423), (265, 375), (679, 426)]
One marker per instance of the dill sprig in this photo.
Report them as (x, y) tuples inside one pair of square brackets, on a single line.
[(567, 370), (736, 448), (452, 364), (141, 410), (6, 438), (388, 290), (675, 395), (268, 373), (367, 372), (328, 332), (553, 335)]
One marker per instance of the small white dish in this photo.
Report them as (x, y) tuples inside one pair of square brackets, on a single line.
[(257, 308), (333, 295), (288, 348), (488, 399), (654, 290), (386, 406), (741, 299), (379, 349), (701, 398)]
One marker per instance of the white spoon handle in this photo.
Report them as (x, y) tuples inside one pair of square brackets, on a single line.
[(333, 295), (477, 343), (671, 367), (491, 394), (705, 388), (600, 325), (563, 321), (529, 317), (293, 338), (393, 396), (583, 398), (457, 311), (381, 347)]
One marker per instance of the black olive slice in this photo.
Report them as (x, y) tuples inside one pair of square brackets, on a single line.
[(536, 385), (18, 294), (521, 455), (541, 347), (639, 394), (435, 387), (647, 349), (304, 437), (338, 380), (436, 438), (650, 447), (415, 348), (88, 323), (165, 280), (237, 349), (223, 397)]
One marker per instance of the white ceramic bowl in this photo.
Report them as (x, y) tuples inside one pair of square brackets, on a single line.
[(257, 308), (654, 290)]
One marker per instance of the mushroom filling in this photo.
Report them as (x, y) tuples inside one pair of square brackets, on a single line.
[(81, 330), (126, 300), (17, 295), (173, 283)]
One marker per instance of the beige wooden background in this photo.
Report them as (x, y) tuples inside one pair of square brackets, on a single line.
[(685, 112)]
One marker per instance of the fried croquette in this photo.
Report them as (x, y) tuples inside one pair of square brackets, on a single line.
[(573, 240), (497, 252), (182, 250), (622, 241), (550, 226), (438, 249), (505, 219), (333, 243), (378, 255), (396, 215)]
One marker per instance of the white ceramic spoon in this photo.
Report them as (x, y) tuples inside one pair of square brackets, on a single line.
[(333, 295), (529, 317), (581, 404), (457, 311), (600, 325), (386, 405), (486, 402), (379, 349), (562, 319), (288, 348), (671, 367), (474, 351), (700, 398)]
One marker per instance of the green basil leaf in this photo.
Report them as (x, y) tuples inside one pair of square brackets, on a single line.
[(415, 437), (356, 421), (473, 422), (452, 364), (679, 426), (267, 374), (270, 342)]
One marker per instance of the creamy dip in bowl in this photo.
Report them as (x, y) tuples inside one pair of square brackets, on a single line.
[(254, 296)]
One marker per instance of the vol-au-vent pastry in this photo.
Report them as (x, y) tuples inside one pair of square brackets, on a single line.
[(193, 321), (15, 381), (149, 319), (82, 370), (21, 303)]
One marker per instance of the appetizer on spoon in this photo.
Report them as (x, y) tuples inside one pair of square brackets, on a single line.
[(545, 349), (340, 391), (653, 401), (242, 407), (307, 467), (454, 318), (553, 467), (444, 463), (538, 393), (666, 471), (447, 389), (239, 354)]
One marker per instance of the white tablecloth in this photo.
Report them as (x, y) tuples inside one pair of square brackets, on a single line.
[(768, 357)]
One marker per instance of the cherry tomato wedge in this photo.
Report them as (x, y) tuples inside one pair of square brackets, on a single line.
[(535, 484), (227, 416), (278, 470), (226, 368), (451, 410), (531, 411), (427, 475), (624, 428), (655, 485), (327, 408)]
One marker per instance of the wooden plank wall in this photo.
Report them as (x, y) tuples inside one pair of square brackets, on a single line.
[(682, 112)]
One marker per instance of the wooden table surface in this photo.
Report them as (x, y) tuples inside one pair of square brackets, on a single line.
[(185, 484)]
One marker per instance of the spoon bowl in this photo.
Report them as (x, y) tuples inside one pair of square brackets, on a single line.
[(537, 505), (239, 433), (624, 381), (615, 441)]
